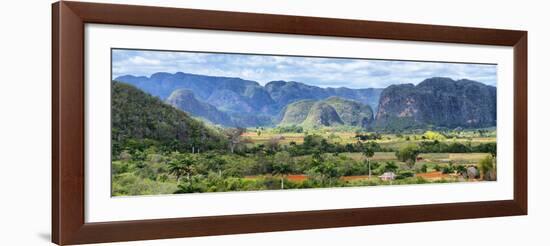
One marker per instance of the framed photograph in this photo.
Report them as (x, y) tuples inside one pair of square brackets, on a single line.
[(174, 122)]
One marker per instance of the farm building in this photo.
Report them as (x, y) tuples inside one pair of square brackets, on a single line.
[(387, 176)]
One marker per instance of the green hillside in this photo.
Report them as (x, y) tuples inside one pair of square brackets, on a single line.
[(351, 112), (138, 117), (322, 114), (333, 111), (296, 113), (186, 101)]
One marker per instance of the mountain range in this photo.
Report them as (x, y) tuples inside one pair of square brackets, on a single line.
[(245, 102), (233, 102)]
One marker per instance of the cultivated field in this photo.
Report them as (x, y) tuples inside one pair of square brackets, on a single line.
[(266, 160)]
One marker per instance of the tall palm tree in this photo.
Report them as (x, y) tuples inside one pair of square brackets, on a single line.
[(368, 152), (282, 169)]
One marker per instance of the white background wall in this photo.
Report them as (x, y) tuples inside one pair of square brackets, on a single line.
[(25, 121)]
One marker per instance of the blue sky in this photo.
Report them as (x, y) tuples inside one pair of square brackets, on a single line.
[(323, 72)]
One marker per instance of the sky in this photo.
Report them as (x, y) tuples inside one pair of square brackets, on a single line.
[(322, 72)]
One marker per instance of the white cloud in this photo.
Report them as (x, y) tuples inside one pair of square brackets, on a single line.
[(334, 72), (138, 60)]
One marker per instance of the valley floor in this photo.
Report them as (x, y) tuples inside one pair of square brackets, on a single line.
[(273, 161)]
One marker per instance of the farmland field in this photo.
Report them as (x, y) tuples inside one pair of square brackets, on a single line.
[(270, 160)]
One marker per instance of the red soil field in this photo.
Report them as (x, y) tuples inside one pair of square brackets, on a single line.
[(297, 177), (350, 178), (432, 175)]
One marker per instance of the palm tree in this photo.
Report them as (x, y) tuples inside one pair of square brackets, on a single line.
[(182, 165), (282, 169), (390, 167), (329, 171), (368, 152), (282, 166), (215, 162)]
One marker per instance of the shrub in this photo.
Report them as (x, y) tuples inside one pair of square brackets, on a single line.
[(404, 174), (486, 168), (408, 154), (431, 135), (424, 168)]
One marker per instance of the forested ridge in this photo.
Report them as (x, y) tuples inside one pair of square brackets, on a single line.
[(137, 116)]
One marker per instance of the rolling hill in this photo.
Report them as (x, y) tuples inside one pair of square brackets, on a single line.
[(333, 111), (136, 115)]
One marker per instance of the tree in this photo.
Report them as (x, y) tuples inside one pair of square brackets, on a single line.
[(424, 168), (325, 168), (349, 147), (273, 143), (214, 162), (408, 155), (317, 159), (182, 165), (368, 152), (234, 137), (486, 168), (328, 171), (461, 170), (492, 149), (282, 166), (431, 135), (390, 167)]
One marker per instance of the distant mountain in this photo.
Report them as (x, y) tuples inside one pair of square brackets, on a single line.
[(441, 102), (296, 112), (136, 115), (322, 114), (284, 93), (185, 100), (248, 103), (228, 94), (438, 102), (351, 112), (368, 96), (332, 111)]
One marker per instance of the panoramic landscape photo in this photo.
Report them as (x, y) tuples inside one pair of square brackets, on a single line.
[(194, 122)]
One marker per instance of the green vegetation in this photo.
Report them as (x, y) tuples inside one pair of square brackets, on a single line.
[(295, 113), (330, 112), (158, 149), (139, 121), (250, 161), (408, 154), (487, 168)]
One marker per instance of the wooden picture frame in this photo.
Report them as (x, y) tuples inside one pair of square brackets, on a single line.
[(68, 122)]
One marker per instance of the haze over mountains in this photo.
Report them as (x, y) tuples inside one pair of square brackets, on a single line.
[(234, 102)]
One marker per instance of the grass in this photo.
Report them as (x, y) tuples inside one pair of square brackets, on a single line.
[(426, 157), (388, 140), (248, 172)]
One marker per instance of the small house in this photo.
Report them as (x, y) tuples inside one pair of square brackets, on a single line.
[(387, 176)]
